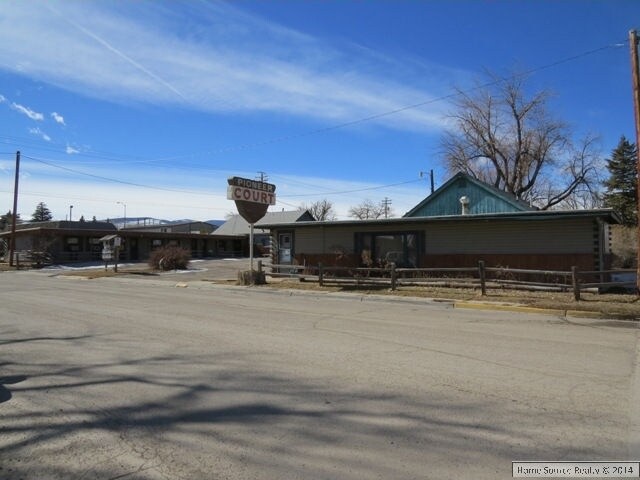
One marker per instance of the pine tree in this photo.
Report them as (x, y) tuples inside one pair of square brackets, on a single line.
[(7, 219), (41, 214), (622, 185)]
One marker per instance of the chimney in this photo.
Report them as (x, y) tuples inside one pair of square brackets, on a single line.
[(464, 202)]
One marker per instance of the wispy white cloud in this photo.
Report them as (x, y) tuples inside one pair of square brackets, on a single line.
[(58, 118), (213, 57), (71, 150), (28, 112), (3, 99), (39, 133)]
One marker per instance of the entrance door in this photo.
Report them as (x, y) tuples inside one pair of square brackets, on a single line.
[(133, 249), (285, 248)]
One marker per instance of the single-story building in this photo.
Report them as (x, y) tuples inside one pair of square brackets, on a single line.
[(174, 227), (462, 222), (74, 241), (234, 233)]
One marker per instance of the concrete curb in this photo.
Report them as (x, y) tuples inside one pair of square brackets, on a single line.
[(450, 303), (526, 309), (508, 308)]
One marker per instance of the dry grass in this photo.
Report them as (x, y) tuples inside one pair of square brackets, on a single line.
[(102, 273), (625, 306)]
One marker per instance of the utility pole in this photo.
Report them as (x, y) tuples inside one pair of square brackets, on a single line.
[(385, 204), (635, 74), (431, 178), (12, 243), (263, 176)]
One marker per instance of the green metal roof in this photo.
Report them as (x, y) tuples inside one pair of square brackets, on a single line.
[(482, 198)]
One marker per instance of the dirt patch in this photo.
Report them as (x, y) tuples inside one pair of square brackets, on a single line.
[(623, 306), (91, 274)]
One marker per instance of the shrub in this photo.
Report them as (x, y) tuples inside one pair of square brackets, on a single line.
[(169, 257)]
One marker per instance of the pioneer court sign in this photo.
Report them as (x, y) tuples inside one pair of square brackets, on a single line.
[(252, 197), (253, 191)]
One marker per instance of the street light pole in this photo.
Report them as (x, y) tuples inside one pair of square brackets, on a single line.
[(124, 223)]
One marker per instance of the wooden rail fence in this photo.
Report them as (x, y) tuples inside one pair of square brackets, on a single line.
[(480, 277)]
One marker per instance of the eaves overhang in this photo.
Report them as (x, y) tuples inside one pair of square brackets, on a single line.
[(606, 214)]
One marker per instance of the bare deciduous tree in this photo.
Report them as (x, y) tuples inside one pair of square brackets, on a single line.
[(367, 210), (321, 210), (508, 139)]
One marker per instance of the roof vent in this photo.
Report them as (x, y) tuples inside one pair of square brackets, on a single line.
[(464, 202)]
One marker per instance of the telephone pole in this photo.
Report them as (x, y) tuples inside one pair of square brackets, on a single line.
[(635, 75), (12, 243), (385, 205), (431, 178), (263, 176)]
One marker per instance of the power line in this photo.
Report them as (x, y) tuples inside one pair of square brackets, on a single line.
[(115, 180), (406, 107), (317, 131), (124, 182), (108, 201), (379, 187), (376, 116)]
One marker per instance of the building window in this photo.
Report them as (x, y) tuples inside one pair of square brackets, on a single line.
[(382, 249)]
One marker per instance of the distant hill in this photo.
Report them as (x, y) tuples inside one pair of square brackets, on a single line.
[(215, 223), (131, 221)]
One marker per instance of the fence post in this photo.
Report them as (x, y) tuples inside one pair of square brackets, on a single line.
[(576, 283), (320, 274), (259, 268), (482, 275), (394, 276)]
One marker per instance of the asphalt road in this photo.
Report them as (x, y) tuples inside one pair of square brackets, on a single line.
[(128, 378)]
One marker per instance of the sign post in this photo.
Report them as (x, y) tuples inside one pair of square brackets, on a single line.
[(251, 247), (252, 199)]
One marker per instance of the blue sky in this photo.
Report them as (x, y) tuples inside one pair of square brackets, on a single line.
[(154, 104)]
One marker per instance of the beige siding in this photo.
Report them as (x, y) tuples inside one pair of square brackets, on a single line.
[(511, 237), (320, 240)]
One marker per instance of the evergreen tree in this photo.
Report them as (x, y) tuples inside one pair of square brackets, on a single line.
[(42, 213), (622, 185), (7, 219)]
